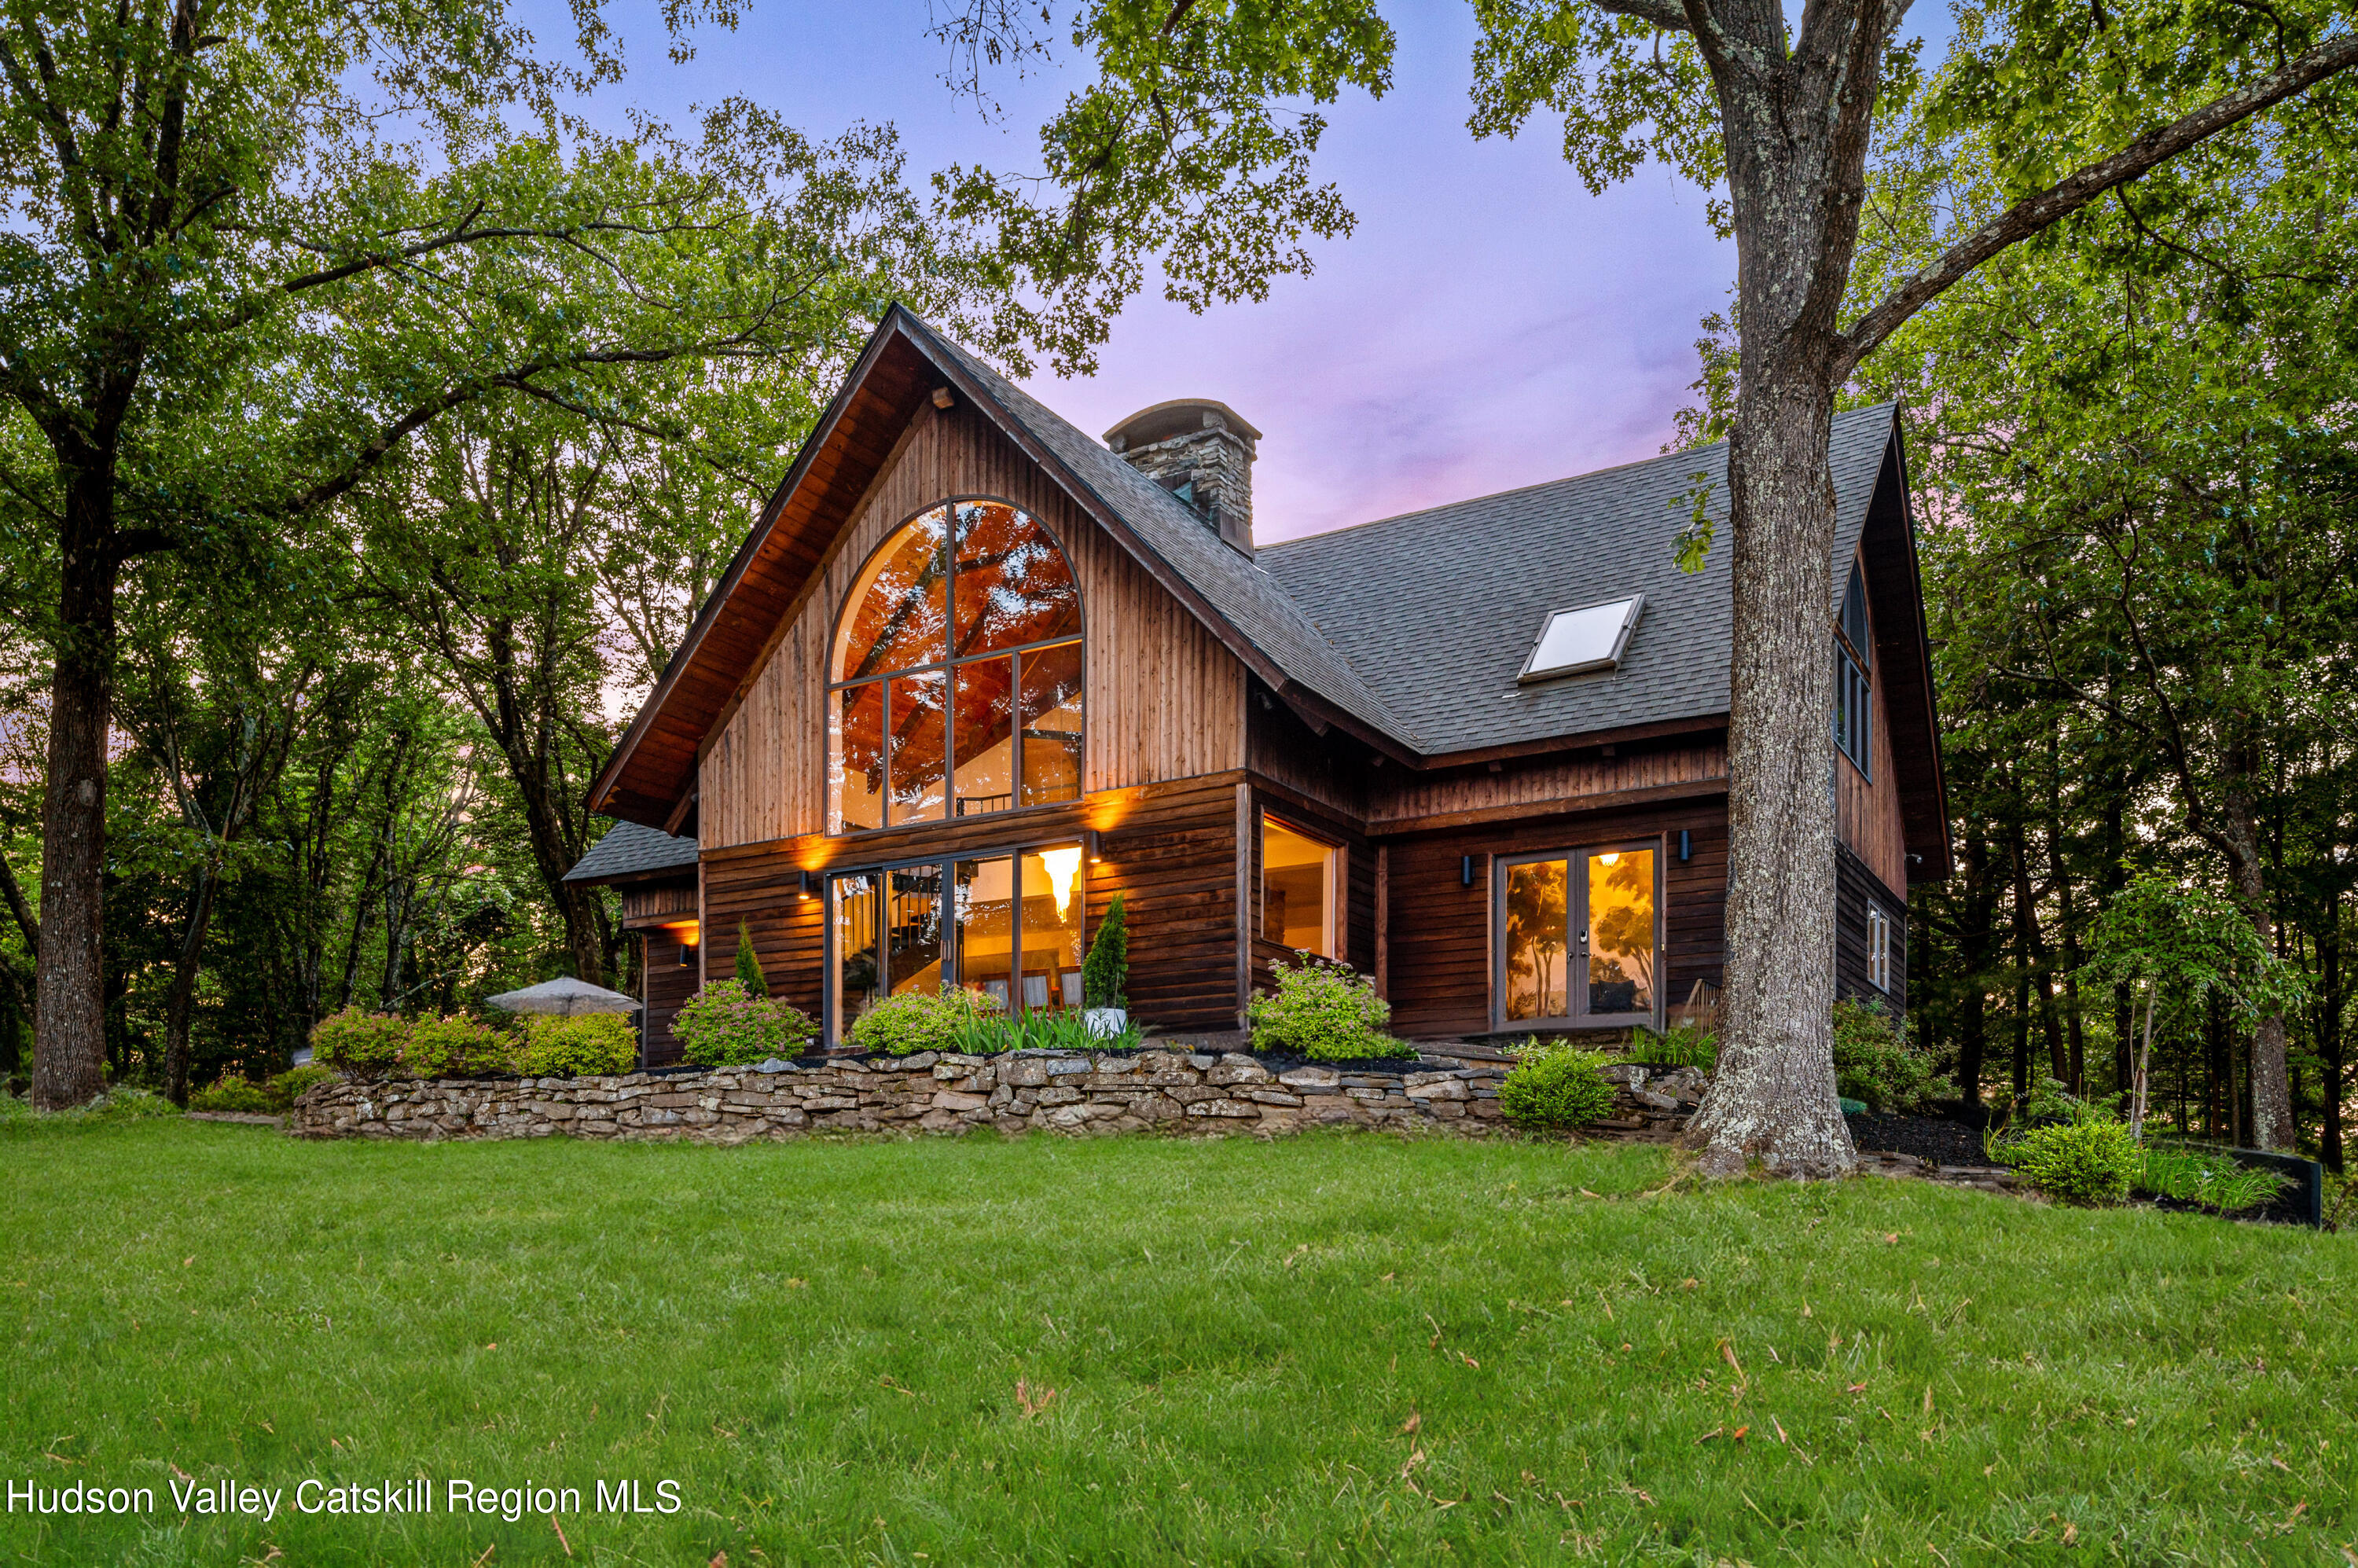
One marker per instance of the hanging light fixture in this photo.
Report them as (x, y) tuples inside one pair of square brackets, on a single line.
[(1062, 865)]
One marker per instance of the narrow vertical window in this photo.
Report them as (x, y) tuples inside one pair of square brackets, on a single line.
[(1297, 890), (1878, 948)]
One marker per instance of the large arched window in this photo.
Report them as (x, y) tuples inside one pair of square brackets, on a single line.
[(955, 687)]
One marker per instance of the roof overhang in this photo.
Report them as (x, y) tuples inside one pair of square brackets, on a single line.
[(1903, 656)]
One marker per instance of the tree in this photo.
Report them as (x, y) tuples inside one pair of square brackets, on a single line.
[(226, 298), (1181, 148)]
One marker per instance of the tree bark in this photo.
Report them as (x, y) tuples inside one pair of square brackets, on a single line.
[(2271, 1087), (70, 1007)]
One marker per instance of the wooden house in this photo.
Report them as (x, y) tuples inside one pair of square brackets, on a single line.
[(974, 673)]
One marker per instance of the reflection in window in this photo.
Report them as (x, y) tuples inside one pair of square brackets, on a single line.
[(858, 967), (1297, 889), (913, 929), (1536, 940), (1621, 931), (957, 672), (1024, 952)]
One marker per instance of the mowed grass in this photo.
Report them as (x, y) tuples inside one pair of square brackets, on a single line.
[(1331, 1348)]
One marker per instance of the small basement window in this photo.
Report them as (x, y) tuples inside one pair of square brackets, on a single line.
[(1573, 642)]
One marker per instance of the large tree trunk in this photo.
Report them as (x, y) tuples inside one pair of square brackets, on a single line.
[(69, 1019), (1772, 1100)]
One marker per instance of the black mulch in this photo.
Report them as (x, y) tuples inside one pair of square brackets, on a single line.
[(1934, 1139)]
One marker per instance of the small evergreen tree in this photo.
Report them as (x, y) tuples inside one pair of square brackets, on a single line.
[(748, 963), (1105, 973)]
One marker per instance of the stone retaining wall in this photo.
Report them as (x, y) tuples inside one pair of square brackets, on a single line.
[(1071, 1093)]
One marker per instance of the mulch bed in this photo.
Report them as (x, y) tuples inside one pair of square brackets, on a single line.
[(1936, 1140)]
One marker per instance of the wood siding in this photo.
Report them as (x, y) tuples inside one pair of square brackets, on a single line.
[(1164, 699), (1332, 769), (1855, 887), (646, 903), (667, 987), (1402, 800), (1169, 847), (1440, 934), (1867, 814)]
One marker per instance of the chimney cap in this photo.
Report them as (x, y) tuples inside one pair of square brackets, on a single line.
[(1179, 416)]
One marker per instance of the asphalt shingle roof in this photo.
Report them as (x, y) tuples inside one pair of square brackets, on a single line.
[(1435, 610), (629, 849)]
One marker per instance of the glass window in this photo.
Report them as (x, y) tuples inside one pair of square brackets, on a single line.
[(858, 967), (1297, 889), (1579, 936), (1878, 948), (1051, 724), (913, 929), (986, 928), (958, 670), (1054, 917), (1589, 638)]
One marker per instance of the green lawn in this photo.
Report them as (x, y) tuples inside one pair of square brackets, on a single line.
[(1334, 1347)]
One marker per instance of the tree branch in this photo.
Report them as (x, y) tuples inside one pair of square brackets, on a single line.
[(1666, 14), (2075, 191), (23, 912)]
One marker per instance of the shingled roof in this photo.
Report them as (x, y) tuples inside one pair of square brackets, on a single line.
[(629, 852), (1435, 610)]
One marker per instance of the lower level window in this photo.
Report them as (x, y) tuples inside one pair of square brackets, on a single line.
[(1008, 925), (1579, 935), (1297, 890), (1878, 948)]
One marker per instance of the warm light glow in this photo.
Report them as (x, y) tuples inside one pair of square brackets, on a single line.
[(1611, 857), (1062, 866), (687, 932)]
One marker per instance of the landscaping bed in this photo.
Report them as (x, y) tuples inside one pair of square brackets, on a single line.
[(1935, 1140)]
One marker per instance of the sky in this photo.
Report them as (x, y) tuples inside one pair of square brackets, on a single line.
[(1489, 325)]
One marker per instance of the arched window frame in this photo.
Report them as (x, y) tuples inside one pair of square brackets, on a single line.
[(952, 807)]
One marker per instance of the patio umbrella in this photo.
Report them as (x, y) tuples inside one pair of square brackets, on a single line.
[(564, 995)]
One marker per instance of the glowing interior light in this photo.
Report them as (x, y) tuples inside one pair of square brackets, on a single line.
[(687, 931), (1062, 866), (1612, 859)]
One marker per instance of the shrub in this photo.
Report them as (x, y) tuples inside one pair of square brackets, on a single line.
[(583, 1045), (1554, 1089), (367, 1044), (912, 1022), (1323, 1011), (749, 968), (1874, 1063), (456, 1047), (288, 1087), (1105, 972), (727, 1024), (125, 1101), (1686, 1045), (2089, 1160), (235, 1095)]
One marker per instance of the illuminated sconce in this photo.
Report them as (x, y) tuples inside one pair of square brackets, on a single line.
[(1095, 846), (1062, 866), (810, 885), (687, 933), (1465, 870)]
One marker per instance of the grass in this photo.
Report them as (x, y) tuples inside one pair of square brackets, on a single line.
[(1329, 1348)]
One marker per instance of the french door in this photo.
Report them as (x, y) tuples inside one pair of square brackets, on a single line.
[(1578, 936), (1009, 924)]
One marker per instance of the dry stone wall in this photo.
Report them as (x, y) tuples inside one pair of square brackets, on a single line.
[(1075, 1094)]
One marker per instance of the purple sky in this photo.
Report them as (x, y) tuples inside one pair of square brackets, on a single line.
[(1490, 324)]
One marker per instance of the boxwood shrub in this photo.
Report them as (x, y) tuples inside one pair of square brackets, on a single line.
[(1554, 1089), (2088, 1161), (585, 1046), (456, 1047), (913, 1022), (365, 1044)]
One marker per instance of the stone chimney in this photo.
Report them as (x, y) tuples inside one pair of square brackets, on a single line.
[(1202, 453)]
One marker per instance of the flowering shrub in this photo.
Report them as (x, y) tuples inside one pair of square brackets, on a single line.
[(913, 1022), (584, 1045), (727, 1025), (366, 1045), (455, 1047), (1554, 1087), (1325, 1011)]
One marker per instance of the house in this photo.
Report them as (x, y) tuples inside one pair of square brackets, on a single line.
[(974, 673)]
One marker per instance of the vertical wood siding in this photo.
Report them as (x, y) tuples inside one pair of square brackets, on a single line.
[(1868, 812), (1165, 700), (667, 989), (1400, 798)]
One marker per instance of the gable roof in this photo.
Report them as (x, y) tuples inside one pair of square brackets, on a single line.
[(1436, 610)]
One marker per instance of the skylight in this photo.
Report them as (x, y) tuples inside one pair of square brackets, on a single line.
[(1573, 642)]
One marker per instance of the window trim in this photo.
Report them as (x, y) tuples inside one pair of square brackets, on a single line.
[(1579, 1021), (832, 1026), (1331, 922), (830, 714), (1878, 947), (1854, 680)]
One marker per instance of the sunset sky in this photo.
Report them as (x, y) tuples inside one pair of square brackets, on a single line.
[(1490, 324)]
